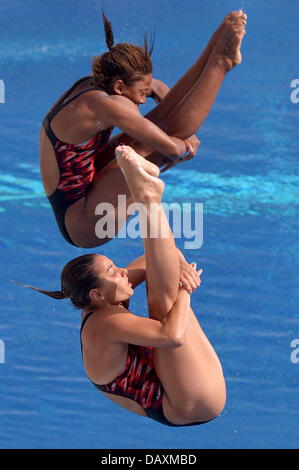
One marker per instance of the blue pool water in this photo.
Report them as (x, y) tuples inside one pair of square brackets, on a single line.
[(246, 176)]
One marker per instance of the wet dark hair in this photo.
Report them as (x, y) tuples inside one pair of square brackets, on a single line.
[(78, 277), (127, 62)]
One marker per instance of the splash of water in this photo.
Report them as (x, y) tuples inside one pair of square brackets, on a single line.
[(243, 5)]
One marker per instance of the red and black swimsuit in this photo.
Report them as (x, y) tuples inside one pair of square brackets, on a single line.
[(77, 162), (138, 381)]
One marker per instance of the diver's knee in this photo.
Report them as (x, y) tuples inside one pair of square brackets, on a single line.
[(208, 406), (212, 409), (203, 414)]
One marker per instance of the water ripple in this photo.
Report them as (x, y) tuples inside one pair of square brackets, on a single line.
[(221, 194)]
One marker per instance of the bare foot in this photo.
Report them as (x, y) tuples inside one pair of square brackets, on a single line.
[(230, 17), (228, 44), (238, 14), (148, 166), (140, 175)]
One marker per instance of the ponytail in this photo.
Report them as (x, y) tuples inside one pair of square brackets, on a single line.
[(55, 294), (108, 31), (78, 277), (149, 49)]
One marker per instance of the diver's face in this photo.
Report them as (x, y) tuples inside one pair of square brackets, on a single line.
[(139, 90), (115, 286)]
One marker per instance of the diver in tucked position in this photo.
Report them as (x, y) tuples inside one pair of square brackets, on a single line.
[(77, 155), (163, 366)]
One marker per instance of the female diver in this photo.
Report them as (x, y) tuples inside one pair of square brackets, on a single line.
[(162, 367), (78, 166)]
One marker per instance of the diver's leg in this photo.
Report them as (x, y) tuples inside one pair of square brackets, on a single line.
[(162, 262), (191, 375), (183, 86), (192, 378), (187, 115)]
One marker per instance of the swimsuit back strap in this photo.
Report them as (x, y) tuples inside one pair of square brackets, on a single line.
[(60, 105), (82, 326), (65, 102), (68, 92), (50, 115)]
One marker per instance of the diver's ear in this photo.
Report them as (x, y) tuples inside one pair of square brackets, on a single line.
[(96, 295), (118, 87)]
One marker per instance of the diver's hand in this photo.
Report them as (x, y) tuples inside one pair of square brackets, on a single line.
[(192, 143), (189, 276), (158, 90)]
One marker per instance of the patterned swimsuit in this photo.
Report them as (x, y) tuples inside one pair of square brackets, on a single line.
[(138, 381), (77, 163)]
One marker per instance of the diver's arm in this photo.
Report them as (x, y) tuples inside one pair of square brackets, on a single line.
[(136, 274), (189, 276), (158, 91), (136, 271), (119, 111), (122, 327)]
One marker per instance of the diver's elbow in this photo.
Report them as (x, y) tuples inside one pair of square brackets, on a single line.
[(177, 340)]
